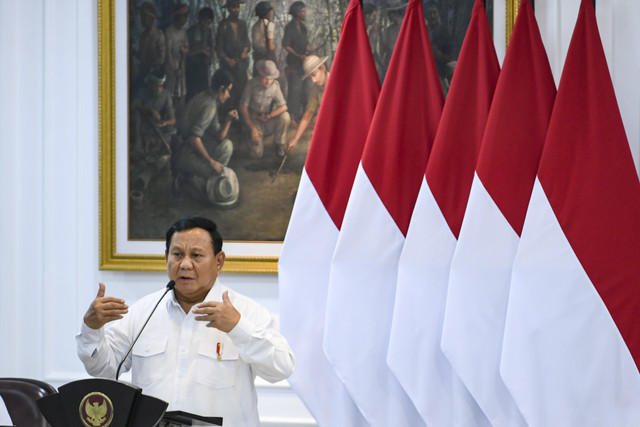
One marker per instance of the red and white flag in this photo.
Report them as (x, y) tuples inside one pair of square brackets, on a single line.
[(480, 273), (364, 267), (414, 353), (572, 339), (336, 147)]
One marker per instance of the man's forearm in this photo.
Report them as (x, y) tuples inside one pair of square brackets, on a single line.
[(266, 350), (98, 358), (279, 110), (244, 112), (304, 122), (199, 146)]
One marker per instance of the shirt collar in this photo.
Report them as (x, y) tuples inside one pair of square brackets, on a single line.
[(215, 294)]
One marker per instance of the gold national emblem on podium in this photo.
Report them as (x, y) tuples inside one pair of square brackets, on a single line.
[(96, 410)]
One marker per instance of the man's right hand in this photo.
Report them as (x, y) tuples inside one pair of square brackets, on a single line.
[(256, 135), (155, 114), (104, 309), (292, 144), (217, 166)]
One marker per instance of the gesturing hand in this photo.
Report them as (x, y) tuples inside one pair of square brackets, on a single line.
[(104, 309), (221, 315)]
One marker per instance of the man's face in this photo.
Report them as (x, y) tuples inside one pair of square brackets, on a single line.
[(205, 23), (302, 15), (266, 82), (396, 17), (192, 264), (371, 18), (433, 16), (319, 76), (225, 94), (180, 20), (157, 88), (234, 10), (147, 20)]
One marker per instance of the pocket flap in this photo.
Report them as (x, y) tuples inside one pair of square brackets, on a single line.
[(150, 347), (228, 351)]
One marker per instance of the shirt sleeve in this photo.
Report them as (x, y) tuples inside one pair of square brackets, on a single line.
[(219, 40), (169, 43), (278, 97), (102, 352), (214, 127), (271, 29), (286, 38), (202, 121), (169, 111), (314, 100), (261, 345), (246, 95), (161, 48), (244, 34)]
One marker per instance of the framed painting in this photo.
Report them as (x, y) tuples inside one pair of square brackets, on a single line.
[(173, 48)]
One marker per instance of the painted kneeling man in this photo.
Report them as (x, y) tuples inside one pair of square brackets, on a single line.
[(264, 109), (204, 344)]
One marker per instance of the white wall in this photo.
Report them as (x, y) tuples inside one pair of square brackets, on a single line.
[(619, 25), (49, 200), (49, 179)]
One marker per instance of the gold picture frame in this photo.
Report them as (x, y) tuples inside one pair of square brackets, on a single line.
[(242, 257), (110, 257), (512, 7)]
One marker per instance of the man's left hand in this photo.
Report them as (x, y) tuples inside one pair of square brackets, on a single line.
[(233, 115), (292, 144), (221, 315)]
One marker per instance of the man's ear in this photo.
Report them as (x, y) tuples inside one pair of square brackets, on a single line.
[(220, 257), (166, 255)]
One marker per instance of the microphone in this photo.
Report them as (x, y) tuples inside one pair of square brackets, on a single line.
[(170, 286)]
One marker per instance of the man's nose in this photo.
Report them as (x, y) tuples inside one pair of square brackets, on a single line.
[(186, 263)]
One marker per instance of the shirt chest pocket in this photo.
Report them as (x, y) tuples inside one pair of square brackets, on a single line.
[(148, 360), (217, 363)]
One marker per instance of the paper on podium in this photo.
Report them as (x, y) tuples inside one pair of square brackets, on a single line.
[(182, 418)]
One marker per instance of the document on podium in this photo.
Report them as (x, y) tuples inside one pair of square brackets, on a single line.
[(187, 419), (5, 418)]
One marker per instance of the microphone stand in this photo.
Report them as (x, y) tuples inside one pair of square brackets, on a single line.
[(170, 286)]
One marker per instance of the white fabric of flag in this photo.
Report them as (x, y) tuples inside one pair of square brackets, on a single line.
[(363, 274), (563, 358), (414, 353), (480, 273), (350, 95), (304, 278), (571, 347)]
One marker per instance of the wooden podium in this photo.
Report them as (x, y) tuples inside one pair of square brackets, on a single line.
[(97, 402)]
